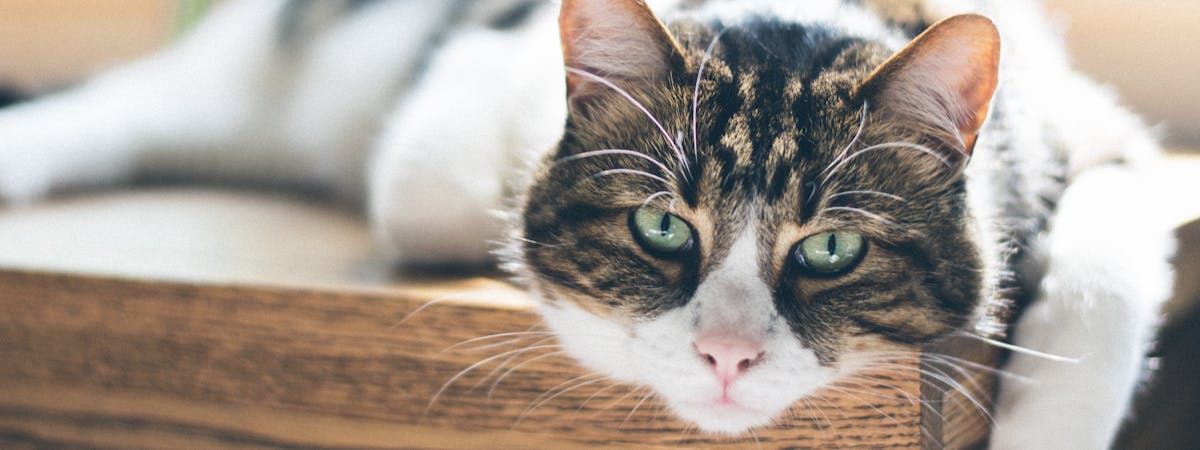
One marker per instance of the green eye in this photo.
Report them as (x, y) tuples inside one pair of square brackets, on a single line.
[(660, 232), (830, 253)]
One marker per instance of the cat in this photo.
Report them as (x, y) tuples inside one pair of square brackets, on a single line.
[(733, 203)]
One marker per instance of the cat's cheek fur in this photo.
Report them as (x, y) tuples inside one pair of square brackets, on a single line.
[(654, 353), (661, 352)]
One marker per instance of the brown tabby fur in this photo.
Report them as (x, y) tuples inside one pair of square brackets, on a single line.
[(774, 118)]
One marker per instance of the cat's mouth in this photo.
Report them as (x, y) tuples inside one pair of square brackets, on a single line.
[(723, 405), (723, 415)]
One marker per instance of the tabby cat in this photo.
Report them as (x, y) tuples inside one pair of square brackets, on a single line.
[(737, 203)]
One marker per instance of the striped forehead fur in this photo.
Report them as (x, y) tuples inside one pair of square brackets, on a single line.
[(777, 141)]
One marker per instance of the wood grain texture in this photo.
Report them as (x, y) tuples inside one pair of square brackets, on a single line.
[(99, 362)]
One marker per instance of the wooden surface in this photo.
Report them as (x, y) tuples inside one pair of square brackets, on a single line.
[(185, 317), (190, 317), (196, 349), (194, 234), (99, 362)]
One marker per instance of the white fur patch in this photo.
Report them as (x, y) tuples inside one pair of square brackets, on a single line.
[(1107, 274), (659, 353), (439, 170)]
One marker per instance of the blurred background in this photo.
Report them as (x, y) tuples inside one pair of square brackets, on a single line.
[(1148, 50)]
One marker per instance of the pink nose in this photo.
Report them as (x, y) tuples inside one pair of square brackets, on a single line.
[(729, 356)]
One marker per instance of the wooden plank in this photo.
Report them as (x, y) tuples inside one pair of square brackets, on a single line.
[(957, 387), (121, 363)]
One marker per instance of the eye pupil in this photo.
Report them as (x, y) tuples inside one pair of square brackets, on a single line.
[(661, 233), (830, 253)]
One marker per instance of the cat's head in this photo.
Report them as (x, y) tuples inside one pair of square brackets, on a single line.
[(737, 216)]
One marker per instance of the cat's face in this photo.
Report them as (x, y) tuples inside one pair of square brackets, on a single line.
[(736, 222)]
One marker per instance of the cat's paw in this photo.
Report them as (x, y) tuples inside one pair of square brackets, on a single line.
[(434, 189), (1098, 309), (1050, 423), (59, 142), (425, 216), (20, 186)]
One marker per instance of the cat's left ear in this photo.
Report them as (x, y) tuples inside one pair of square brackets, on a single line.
[(614, 41), (947, 75)]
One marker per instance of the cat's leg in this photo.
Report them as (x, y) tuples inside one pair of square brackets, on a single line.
[(445, 164), (1106, 275), (192, 95)]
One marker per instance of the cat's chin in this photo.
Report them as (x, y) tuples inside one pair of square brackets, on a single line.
[(723, 418), (654, 355)]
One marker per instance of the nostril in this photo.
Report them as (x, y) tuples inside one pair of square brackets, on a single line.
[(748, 362), (743, 364), (729, 356)]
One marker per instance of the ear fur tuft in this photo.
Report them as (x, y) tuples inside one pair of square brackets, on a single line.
[(617, 40), (945, 77)]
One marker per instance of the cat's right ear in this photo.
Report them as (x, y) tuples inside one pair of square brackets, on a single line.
[(608, 44)]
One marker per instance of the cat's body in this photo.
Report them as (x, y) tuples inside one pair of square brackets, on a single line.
[(747, 123)]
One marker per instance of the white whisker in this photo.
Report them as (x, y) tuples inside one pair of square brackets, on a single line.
[(631, 172), (862, 123), (594, 394), (649, 393), (887, 146), (948, 383), (656, 195), (522, 335), (623, 397), (556, 391), (504, 364), (942, 359), (496, 383), (869, 192), (1023, 350), (696, 92), (934, 363), (892, 418), (528, 241), (957, 386), (861, 211), (438, 300), (472, 367), (492, 345), (617, 151), (893, 363), (912, 399), (959, 362), (638, 105), (817, 420)]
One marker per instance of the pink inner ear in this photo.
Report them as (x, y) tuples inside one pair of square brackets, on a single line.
[(947, 75), (614, 39)]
